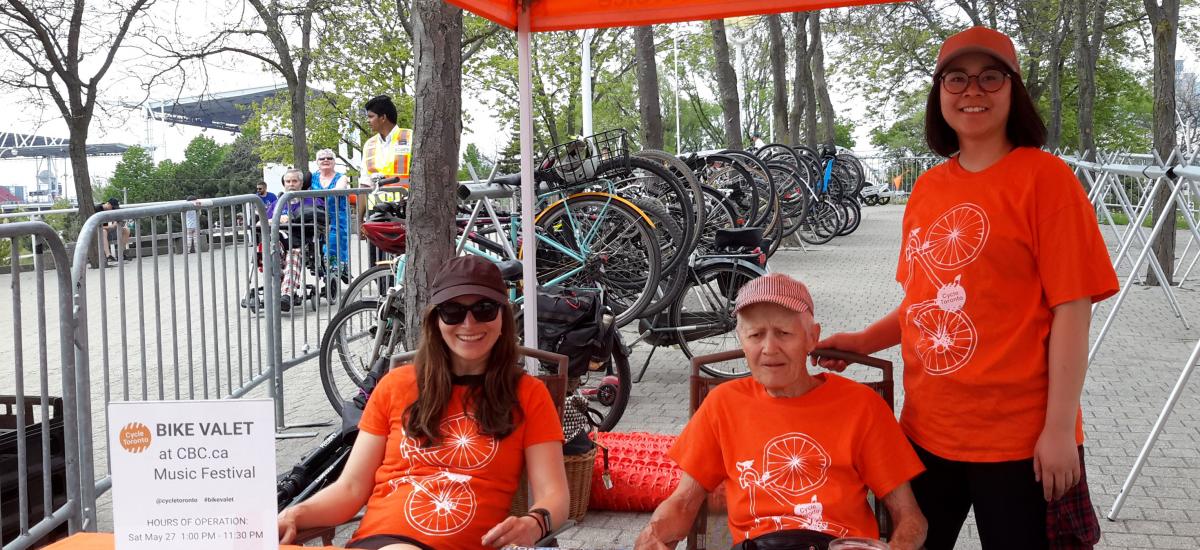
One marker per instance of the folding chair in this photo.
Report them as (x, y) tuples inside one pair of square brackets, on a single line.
[(555, 383), (700, 538)]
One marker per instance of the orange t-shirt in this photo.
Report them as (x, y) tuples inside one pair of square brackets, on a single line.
[(449, 495), (986, 256), (798, 462)]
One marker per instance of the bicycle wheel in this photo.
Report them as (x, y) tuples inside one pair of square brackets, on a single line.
[(596, 240), (853, 216), (651, 180), (365, 287), (853, 170), (669, 235), (768, 197), (688, 178), (703, 314), (348, 350), (820, 225), (607, 389), (721, 172)]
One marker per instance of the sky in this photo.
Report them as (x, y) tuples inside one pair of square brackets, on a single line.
[(116, 123)]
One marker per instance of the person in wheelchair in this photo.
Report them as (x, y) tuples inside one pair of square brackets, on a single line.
[(796, 452), (443, 442), (303, 232)]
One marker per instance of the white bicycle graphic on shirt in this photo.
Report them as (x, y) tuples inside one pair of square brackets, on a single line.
[(948, 337), (793, 464), (439, 504), (462, 446), (444, 503)]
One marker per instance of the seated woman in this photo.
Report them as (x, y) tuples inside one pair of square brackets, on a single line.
[(293, 263), (796, 452), (443, 442)]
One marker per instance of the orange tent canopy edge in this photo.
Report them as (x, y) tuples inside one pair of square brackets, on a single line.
[(564, 15)]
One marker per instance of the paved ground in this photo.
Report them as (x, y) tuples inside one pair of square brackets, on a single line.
[(852, 283)]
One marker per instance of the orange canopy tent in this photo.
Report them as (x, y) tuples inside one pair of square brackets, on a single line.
[(566, 15), (526, 16)]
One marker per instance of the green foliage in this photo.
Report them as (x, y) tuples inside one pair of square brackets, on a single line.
[(1123, 110), (474, 157), (208, 170), (844, 133), (905, 136)]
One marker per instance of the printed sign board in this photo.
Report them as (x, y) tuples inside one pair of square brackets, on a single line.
[(193, 474)]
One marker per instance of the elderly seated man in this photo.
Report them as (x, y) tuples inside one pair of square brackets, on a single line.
[(796, 452)]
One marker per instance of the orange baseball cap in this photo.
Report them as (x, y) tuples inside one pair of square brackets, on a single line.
[(979, 40)]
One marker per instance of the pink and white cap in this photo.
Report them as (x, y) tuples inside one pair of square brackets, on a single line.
[(778, 289)]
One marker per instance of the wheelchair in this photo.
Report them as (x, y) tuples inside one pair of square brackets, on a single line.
[(307, 230)]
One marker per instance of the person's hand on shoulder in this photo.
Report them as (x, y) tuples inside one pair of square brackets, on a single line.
[(844, 341)]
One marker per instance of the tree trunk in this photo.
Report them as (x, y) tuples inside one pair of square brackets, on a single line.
[(299, 97), (1088, 40), (1164, 22), (727, 87), (81, 176), (647, 78), (1062, 29), (817, 50), (800, 26), (805, 95), (437, 128), (779, 97)]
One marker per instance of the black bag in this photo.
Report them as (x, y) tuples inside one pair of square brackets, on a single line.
[(573, 324)]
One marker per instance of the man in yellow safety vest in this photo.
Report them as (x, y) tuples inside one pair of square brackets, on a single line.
[(386, 154)]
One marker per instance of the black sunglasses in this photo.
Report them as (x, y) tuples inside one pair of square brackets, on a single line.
[(453, 313)]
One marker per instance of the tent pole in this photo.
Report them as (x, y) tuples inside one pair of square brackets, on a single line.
[(585, 76), (528, 187)]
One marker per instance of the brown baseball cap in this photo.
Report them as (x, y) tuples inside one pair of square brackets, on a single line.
[(979, 40), (468, 275), (775, 288)]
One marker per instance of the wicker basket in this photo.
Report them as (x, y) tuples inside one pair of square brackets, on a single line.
[(579, 486)]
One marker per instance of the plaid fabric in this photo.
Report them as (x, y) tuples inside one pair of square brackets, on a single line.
[(1071, 522)]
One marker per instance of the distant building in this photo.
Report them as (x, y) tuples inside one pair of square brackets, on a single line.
[(8, 196)]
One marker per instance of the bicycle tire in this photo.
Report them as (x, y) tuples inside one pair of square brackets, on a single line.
[(681, 170), (853, 216), (628, 290), (354, 366), (768, 197), (706, 304), (720, 213), (354, 292), (606, 404), (650, 179), (723, 173), (813, 229), (665, 225)]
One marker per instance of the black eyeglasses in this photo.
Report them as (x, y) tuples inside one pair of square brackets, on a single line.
[(453, 313), (989, 80)]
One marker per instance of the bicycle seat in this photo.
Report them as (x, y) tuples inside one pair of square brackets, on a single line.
[(510, 270), (739, 237)]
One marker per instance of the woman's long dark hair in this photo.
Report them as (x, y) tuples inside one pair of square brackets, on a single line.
[(493, 405), (1024, 128)]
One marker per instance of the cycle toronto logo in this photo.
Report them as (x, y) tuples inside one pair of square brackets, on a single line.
[(134, 437)]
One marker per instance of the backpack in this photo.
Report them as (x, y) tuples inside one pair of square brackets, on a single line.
[(574, 324)]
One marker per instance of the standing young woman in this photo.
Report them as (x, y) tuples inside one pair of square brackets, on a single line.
[(443, 442), (1002, 261)]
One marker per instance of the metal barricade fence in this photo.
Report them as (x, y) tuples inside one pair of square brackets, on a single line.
[(318, 250), (898, 173), (164, 320), (39, 446)]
